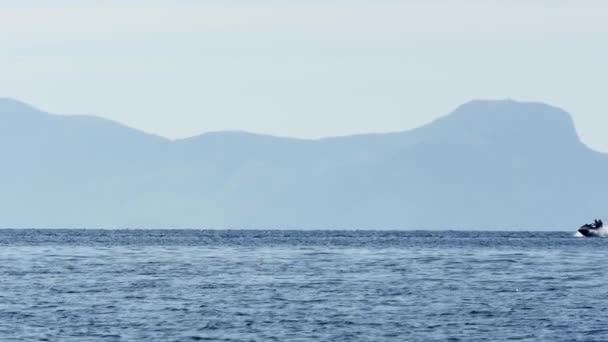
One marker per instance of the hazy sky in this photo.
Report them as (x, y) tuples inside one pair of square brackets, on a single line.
[(303, 68)]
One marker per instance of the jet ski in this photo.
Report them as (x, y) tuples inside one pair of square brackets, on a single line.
[(595, 229)]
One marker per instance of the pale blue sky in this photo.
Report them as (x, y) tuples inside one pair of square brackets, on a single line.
[(303, 68)]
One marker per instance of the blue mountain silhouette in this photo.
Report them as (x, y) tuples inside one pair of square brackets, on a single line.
[(487, 165)]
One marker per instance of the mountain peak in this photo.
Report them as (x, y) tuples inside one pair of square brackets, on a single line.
[(524, 123), (507, 106)]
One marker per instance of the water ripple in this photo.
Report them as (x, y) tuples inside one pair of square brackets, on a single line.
[(189, 285)]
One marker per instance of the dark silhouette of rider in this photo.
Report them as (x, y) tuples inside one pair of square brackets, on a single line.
[(597, 224)]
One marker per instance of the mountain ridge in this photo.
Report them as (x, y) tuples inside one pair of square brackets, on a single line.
[(488, 164)]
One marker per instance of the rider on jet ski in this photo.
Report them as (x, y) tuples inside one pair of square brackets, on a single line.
[(597, 224)]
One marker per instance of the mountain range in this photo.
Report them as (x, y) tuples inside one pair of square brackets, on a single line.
[(487, 165)]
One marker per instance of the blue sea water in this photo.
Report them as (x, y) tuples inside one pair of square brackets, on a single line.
[(194, 285)]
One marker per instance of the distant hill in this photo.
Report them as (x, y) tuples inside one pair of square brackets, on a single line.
[(487, 165)]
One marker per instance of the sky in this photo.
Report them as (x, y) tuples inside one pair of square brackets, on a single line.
[(308, 69)]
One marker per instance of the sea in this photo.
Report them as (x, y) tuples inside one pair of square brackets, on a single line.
[(268, 285)]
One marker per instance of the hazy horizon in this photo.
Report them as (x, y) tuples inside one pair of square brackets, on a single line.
[(336, 170), (305, 70)]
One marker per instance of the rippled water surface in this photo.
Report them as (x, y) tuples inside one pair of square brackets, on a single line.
[(152, 285)]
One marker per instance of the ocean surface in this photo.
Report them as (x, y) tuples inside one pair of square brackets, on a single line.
[(195, 285)]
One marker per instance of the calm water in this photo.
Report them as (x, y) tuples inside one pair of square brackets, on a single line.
[(79, 285)]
